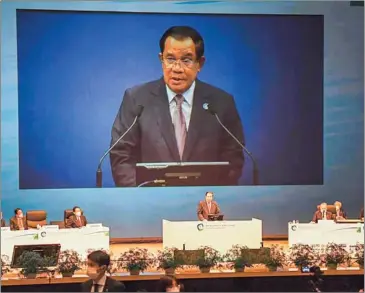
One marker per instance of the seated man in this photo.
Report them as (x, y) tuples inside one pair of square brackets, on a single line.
[(3, 224), (18, 222), (97, 266), (77, 220), (340, 213), (322, 214), (207, 207)]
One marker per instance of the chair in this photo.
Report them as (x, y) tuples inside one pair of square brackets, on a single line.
[(35, 218), (67, 213), (60, 224)]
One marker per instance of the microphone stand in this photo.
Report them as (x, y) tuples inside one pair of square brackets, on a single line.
[(255, 170), (99, 172)]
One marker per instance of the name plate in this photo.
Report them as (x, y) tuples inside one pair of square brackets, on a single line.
[(96, 225), (5, 229), (326, 222), (51, 227)]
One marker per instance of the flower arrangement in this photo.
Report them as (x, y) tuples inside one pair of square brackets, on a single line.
[(239, 256), (208, 259), (68, 262), (359, 254), (5, 262), (273, 258), (335, 255), (302, 255), (31, 263), (166, 259), (135, 260)]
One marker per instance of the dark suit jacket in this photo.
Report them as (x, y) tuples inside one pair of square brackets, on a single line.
[(203, 210), (111, 285), (153, 138), (72, 222), (318, 216), (14, 223), (3, 224)]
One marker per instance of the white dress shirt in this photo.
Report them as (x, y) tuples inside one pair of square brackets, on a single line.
[(187, 105)]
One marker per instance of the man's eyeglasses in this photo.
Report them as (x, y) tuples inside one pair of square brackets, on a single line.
[(171, 62)]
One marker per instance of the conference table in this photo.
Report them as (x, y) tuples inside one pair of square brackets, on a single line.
[(82, 240)]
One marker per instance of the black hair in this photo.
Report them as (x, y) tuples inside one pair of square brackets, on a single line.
[(166, 282), (17, 210), (99, 257), (181, 33), (209, 192), (75, 207)]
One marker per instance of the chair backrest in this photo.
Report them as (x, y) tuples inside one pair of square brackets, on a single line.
[(60, 224), (330, 208), (35, 218), (67, 214)]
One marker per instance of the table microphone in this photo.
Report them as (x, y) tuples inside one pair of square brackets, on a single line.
[(255, 172), (99, 172)]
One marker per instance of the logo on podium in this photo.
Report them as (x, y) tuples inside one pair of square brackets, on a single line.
[(200, 227)]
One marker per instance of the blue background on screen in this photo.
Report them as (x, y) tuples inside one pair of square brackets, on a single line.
[(133, 212), (73, 68)]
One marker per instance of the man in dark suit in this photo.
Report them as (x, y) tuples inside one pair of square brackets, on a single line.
[(174, 127), (77, 220), (207, 207), (322, 214), (18, 222), (97, 266), (3, 224)]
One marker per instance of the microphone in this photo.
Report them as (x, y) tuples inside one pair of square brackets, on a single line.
[(99, 172), (255, 171)]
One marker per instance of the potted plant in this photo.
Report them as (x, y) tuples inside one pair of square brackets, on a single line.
[(239, 257), (359, 255), (273, 258), (209, 258), (31, 263), (335, 255), (4, 264), (136, 260), (68, 262), (302, 255), (167, 261)]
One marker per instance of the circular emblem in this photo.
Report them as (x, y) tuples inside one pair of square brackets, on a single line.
[(200, 227), (294, 228), (43, 234)]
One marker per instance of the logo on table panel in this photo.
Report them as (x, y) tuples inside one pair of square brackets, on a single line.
[(294, 228), (200, 227)]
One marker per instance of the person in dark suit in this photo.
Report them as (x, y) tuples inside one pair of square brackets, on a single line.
[(3, 224), (207, 207), (97, 266), (340, 213), (77, 220), (174, 126), (322, 214), (18, 222)]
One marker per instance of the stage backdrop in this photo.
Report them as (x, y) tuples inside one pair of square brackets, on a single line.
[(63, 76)]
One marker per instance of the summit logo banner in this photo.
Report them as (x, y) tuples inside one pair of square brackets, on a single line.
[(200, 227)]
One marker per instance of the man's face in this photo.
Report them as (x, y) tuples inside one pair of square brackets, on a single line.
[(94, 271), (338, 205), (77, 211), (19, 213), (323, 207), (209, 197), (179, 64)]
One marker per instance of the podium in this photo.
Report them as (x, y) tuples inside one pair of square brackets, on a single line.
[(182, 174), (220, 235)]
